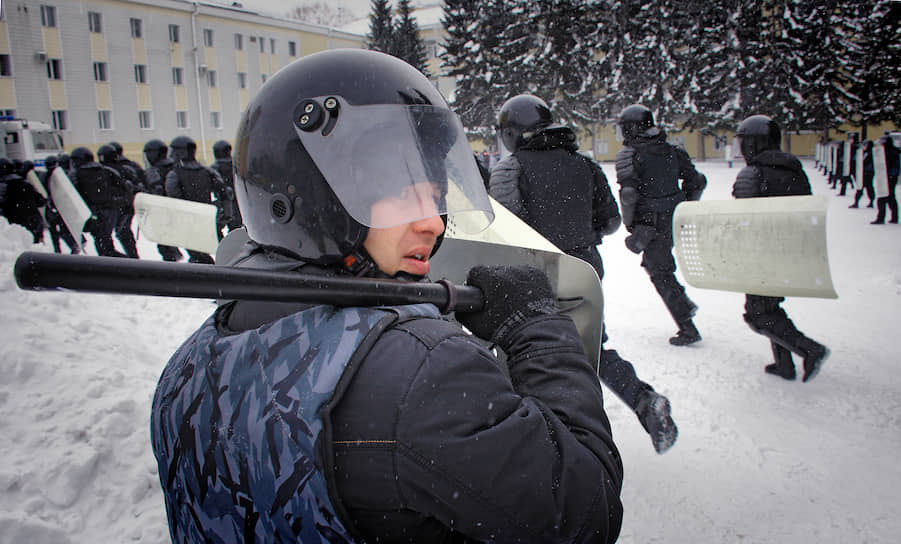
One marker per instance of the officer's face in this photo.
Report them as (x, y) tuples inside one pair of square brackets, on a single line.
[(405, 247)]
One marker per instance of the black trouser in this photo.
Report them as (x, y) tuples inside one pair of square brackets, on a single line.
[(58, 229), (169, 253), (868, 187), (657, 260), (591, 256), (889, 201), (123, 231), (102, 230)]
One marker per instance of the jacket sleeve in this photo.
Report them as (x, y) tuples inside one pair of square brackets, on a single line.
[(605, 218), (747, 183), (173, 187), (693, 182), (503, 185), (524, 458)]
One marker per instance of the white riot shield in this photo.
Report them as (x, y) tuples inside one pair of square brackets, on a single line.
[(858, 168), (774, 246), (846, 166), (69, 204), (880, 171), (177, 222), (510, 241)]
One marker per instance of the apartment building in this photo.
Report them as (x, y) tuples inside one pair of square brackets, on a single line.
[(134, 70)]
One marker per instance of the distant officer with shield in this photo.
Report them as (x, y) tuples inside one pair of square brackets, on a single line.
[(886, 168), (648, 170), (865, 172), (771, 172)]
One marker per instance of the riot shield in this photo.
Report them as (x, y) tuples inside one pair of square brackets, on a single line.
[(177, 222), (858, 168), (880, 171), (774, 246), (846, 166), (69, 204)]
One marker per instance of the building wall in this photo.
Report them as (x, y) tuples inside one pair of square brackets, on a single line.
[(33, 95)]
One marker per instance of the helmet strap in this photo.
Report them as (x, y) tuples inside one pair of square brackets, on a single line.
[(359, 263)]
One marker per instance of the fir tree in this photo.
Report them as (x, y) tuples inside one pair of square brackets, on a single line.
[(408, 44), (381, 28)]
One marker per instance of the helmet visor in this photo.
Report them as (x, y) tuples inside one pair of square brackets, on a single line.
[(375, 152)]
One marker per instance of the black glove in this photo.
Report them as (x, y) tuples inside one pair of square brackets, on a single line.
[(91, 225), (641, 236), (513, 294)]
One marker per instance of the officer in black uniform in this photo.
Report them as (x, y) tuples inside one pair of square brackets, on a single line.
[(771, 172), (139, 173), (648, 170), (19, 201), (156, 155), (228, 214), (565, 196), (190, 180), (105, 192), (110, 158)]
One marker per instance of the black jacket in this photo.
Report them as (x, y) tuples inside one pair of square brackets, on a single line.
[(771, 173), (435, 441), (558, 192)]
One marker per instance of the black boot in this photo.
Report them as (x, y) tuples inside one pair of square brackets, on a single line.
[(653, 411), (784, 366), (688, 334), (857, 196), (814, 355)]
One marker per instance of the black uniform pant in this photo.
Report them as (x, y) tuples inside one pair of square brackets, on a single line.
[(101, 229), (658, 261), (867, 187), (58, 230), (124, 233), (889, 201)]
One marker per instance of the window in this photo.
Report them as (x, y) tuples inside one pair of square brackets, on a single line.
[(7, 113), (272, 45), (60, 122), (173, 33), (54, 69), (105, 119), (292, 49), (181, 119), (262, 41), (95, 21), (211, 78), (144, 119), (178, 76), (242, 80), (208, 37), (140, 73), (100, 72), (215, 119), (239, 42), (6, 68), (48, 15), (137, 30)]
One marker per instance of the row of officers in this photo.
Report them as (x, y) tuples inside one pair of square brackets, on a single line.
[(108, 186), (871, 168)]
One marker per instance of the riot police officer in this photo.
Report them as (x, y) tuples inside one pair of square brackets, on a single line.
[(565, 196), (105, 192), (190, 180), (771, 172), (156, 153), (138, 172), (228, 214), (19, 201), (109, 157), (55, 224), (648, 170)]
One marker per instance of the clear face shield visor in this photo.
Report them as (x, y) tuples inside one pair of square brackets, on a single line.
[(415, 156)]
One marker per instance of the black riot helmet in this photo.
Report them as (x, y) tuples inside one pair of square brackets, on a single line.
[(334, 132), (107, 154), (222, 150), (756, 134), (50, 162), (81, 156), (634, 120), (183, 148), (155, 150), (64, 161), (6, 167), (521, 118), (117, 147)]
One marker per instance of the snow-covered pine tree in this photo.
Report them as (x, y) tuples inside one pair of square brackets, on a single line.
[(408, 44), (876, 62), (381, 28)]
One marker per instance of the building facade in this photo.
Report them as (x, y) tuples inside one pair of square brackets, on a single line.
[(134, 70)]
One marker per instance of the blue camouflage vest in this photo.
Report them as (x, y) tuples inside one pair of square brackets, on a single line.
[(236, 422)]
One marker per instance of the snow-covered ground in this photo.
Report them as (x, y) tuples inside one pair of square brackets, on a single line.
[(758, 459)]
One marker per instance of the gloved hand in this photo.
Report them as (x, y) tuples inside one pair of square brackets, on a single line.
[(513, 295), (641, 236)]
